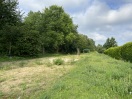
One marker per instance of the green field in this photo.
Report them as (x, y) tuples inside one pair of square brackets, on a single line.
[(88, 76)]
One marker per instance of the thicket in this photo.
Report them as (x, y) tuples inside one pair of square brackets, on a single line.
[(123, 52)]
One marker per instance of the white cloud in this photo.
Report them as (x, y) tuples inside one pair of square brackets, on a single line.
[(121, 15), (98, 37), (100, 18), (100, 14)]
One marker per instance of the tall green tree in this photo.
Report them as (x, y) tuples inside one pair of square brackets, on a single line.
[(33, 20), (29, 43), (9, 13), (9, 19), (9, 37), (110, 42), (49, 31), (56, 26), (91, 44)]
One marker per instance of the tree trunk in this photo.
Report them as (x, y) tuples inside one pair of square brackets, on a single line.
[(78, 51)]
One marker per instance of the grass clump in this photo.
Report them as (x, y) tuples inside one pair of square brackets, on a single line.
[(58, 61)]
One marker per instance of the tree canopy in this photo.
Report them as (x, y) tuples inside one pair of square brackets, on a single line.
[(110, 42), (49, 31)]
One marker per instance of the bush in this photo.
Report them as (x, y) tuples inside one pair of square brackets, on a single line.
[(100, 50), (58, 61), (126, 51), (114, 52), (86, 51)]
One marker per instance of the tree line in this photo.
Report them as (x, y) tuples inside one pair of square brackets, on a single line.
[(49, 31)]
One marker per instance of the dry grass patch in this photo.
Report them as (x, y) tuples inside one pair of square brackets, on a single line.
[(29, 77)]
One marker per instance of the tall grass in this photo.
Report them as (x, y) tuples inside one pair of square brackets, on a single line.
[(96, 76)]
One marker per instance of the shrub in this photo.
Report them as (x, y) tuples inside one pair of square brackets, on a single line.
[(126, 51), (101, 50), (58, 61), (86, 51), (114, 52)]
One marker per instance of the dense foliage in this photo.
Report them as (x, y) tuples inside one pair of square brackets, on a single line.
[(114, 52), (49, 31), (100, 48), (8, 13), (126, 51), (123, 52)]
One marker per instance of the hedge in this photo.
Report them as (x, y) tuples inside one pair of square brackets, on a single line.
[(126, 51), (123, 52), (114, 52)]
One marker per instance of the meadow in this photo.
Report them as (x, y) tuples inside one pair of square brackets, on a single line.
[(88, 76)]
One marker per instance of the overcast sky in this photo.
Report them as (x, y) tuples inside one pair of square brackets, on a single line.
[(98, 19)]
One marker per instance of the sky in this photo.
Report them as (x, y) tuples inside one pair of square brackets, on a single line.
[(98, 19)]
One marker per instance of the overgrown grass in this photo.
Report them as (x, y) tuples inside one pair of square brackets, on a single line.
[(96, 76)]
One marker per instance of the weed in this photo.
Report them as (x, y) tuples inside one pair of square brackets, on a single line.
[(58, 61)]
